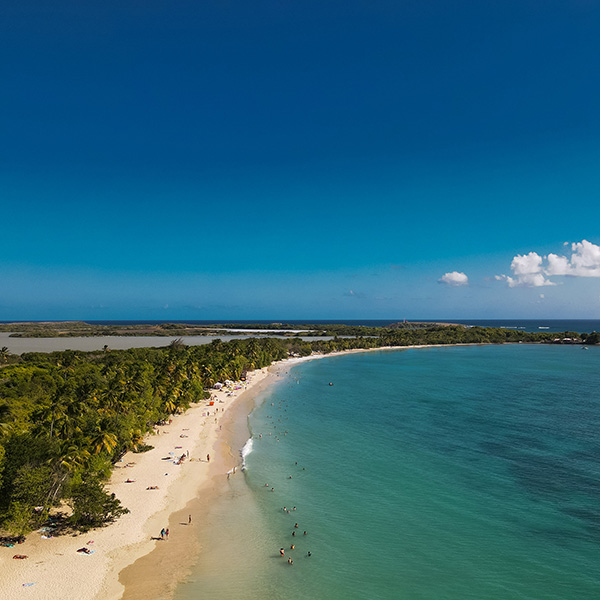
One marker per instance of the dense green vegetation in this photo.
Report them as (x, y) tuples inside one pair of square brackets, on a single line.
[(82, 329), (66, 417)]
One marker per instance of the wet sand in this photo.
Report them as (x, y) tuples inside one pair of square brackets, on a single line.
[(149, 577)]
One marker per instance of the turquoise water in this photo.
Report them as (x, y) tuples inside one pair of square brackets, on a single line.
[(443, 473)]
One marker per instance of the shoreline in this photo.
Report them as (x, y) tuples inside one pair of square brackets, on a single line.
[(55, 570), (129, 560), (147, 576)]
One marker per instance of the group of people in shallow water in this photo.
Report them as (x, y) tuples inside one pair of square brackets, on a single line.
[(293, 546), (285, 508)]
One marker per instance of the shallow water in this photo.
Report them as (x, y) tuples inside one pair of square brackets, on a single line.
[(454, 473)]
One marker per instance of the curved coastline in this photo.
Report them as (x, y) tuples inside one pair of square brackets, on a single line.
[(159, 571), (129, 559), (158, 489)]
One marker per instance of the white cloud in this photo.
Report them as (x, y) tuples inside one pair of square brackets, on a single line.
[(454, 278), (527, 270), (557, 265), (585, 260), (528, 264), (533, 270)]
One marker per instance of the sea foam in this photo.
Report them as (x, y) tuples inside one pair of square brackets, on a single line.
[(245, 451)]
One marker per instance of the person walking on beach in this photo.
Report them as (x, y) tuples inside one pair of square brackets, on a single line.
[(208, 458), (162, 533), (167, 533), (189, 519)]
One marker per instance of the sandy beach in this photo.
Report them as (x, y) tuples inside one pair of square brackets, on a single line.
[(128, 559), (54, 569)]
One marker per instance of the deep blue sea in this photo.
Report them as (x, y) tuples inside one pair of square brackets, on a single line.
[(450, 473)]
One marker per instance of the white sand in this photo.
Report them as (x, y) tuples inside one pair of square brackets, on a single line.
[(55, 568)]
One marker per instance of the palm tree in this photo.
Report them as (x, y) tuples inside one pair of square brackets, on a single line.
[(71, 458), (52, 413), (103, 440), (4, 418)]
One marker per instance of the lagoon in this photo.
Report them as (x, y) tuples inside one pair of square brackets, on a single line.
[(19, 345)]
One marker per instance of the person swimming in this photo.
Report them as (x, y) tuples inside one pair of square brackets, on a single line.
[(282, 552)]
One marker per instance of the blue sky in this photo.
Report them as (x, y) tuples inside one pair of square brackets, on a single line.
[(277, 159)]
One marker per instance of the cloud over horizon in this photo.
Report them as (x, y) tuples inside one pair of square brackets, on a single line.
[(534, 270), (454, 279)]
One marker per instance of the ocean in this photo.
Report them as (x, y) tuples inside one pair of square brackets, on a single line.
[(445, 473)]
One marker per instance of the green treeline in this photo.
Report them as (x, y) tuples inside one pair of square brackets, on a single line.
[(67, 417)]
